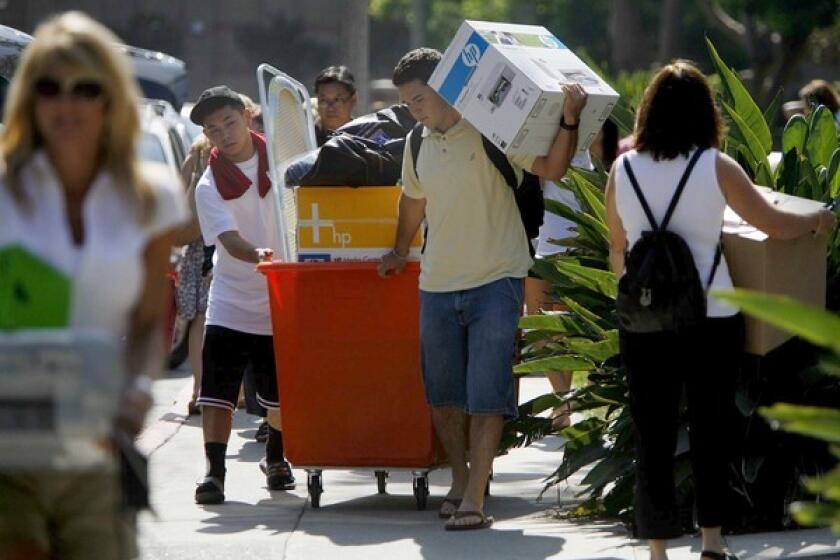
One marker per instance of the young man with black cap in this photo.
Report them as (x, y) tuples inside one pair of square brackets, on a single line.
[(237, 214)]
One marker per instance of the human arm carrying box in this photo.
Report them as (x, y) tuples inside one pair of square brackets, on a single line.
[(778, 222), (553, 166)]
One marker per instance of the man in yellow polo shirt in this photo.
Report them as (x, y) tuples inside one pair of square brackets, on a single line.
[(472, 269)]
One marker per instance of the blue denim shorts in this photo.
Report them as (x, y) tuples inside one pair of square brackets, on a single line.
[(468, 343)]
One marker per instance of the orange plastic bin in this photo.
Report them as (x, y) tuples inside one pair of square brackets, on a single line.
[(347, 349)]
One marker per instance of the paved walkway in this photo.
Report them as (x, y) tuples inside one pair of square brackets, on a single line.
[(356, 523)]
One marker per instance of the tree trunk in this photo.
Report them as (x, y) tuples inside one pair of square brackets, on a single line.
[(669, 31), (419, 15), (627, 45), (356, 46), (791, 56)]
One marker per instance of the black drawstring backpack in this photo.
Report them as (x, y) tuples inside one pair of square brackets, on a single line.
[(661, 288)]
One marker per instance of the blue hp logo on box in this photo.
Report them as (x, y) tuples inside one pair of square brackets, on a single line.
[(471, 54), (463, 68)]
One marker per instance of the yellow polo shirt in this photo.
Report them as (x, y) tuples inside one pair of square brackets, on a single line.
[(475, 233)]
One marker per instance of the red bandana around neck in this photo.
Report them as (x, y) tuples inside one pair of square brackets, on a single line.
[(230, 181)]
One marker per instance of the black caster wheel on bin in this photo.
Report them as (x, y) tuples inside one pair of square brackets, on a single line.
[(381, 481), (421, 490), (315, 486)]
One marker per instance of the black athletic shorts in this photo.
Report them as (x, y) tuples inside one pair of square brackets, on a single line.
[(224, 358)]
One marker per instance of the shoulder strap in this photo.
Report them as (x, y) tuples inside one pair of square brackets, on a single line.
[(640, 195), (680, 187), (415, 139), (500, 162), (716, 262)]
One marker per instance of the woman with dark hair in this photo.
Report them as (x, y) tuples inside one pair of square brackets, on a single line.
[(605, 146), (820, 92), (678, 132)]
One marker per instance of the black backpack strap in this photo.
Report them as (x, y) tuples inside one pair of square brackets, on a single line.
[(500, 162), (718, 254), (680, 187), (415, 139), (639, 195)]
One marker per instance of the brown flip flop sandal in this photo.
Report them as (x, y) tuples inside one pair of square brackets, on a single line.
[(456, 502), (483, 524)]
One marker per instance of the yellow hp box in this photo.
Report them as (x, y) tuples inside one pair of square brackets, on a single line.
[(348, 224)]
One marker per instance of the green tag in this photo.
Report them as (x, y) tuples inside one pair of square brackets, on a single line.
[(33, 294)]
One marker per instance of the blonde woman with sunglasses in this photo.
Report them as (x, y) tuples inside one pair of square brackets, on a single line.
[(72, 194)]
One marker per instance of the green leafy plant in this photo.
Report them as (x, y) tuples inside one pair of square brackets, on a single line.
[(823, 329)]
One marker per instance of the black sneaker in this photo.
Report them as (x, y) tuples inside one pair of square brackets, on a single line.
[(278, 476), (262, 432), (210, 491)]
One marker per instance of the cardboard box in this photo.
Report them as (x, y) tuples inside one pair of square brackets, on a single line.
[(348, 224), (506, 79), (795, 268)]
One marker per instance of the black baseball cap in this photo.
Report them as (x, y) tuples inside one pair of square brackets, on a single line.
[(214, 98)]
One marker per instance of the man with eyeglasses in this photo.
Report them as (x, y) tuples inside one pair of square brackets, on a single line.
[(335, 90)]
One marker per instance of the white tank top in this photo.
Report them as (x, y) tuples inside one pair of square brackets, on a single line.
[(697, 218)]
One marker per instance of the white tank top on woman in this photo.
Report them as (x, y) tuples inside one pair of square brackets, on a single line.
[(698, 217)]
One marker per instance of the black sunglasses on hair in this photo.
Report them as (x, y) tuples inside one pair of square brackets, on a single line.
[(84, 89)]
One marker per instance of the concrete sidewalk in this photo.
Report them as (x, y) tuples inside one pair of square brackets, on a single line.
[(354, 522)]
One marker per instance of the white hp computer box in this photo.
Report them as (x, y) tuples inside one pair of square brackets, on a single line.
[(506, 80), (59, 395)]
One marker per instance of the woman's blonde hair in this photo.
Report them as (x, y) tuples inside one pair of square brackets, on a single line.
[(74, 40)]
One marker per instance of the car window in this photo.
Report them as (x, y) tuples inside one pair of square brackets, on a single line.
[(151, 148), (4, 88), (177, 147)]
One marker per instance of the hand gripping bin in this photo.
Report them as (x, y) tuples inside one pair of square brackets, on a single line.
[(347, 349)]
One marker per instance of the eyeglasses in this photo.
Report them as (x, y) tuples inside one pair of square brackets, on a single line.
[(338, 101), (84, 89)]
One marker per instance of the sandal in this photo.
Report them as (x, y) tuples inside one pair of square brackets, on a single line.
[(210, 491), (278, 476), (717, 555), (484, 521), (262, 432), (454, 502)]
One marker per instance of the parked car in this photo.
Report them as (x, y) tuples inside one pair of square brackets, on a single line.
[(12, 43), (193, 130), (164, 141), (160, 75), (164, 136)]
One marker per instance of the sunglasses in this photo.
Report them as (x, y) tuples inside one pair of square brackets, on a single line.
[(84, 89)]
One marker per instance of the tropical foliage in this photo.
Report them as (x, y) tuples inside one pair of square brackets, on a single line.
[(823, 329)]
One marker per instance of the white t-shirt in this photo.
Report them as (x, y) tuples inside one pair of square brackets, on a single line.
[(238, 297), (106, 270), (554, 226)]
